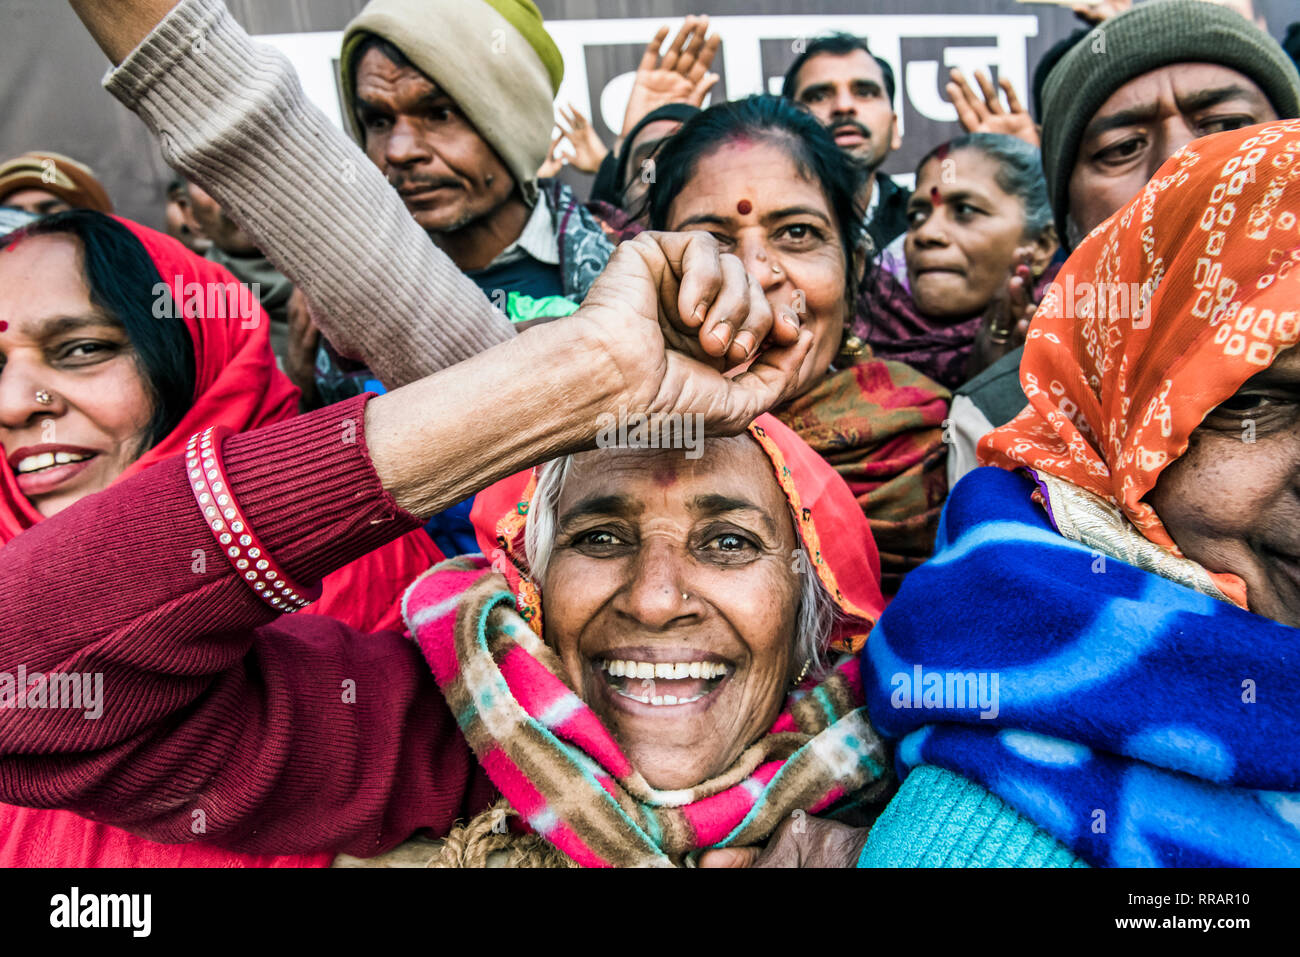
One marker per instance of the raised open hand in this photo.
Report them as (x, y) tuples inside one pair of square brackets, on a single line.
[(681, 75), (586, 149), (986, 113)]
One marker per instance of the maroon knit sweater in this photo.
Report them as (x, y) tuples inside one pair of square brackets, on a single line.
[(211, 702)]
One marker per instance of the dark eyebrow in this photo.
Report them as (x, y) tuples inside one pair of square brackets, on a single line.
[(1191, 103), (1130, 117), (602, 505), (715, 504), (65, 324), (815, 88), (704, 219), (796, 211), (957, 196), (435, 96), (712, 219), (1204, 99)]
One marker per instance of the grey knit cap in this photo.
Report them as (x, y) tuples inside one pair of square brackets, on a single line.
[(1147, 37)]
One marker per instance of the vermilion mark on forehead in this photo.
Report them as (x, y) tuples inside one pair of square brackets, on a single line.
[(3, 325), (936, 197), (665, 477), (744, 207)]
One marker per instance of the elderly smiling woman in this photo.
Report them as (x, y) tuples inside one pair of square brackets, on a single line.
[(624, 669)]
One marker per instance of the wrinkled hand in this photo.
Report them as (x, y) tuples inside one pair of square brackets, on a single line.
[(300, 362), (986, 114), (1094, 13), (586, 150), (800, 841), (672, 312), (1006, 321), (681, 76)]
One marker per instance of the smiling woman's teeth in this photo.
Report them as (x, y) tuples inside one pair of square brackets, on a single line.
[(676, 671), (666, 670), (35, 463)]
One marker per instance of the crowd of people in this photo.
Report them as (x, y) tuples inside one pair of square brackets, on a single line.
[(987, 556)]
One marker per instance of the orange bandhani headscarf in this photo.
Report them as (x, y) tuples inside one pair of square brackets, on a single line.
[(1161, 314)]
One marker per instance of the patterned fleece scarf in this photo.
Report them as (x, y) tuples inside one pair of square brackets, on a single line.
[(1122, 705), (562, 770)]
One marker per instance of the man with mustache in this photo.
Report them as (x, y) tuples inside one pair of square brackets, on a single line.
[(840, 81), (452, 101)]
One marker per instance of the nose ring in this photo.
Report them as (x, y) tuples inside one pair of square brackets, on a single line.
[(43, 397), (776, 270), (685, 597)]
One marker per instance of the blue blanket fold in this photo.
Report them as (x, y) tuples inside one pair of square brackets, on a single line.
[(1139, 722)]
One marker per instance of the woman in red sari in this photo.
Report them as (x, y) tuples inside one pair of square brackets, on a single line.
[(117, 344)]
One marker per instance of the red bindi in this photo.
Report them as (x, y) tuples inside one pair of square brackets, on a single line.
[(3, 325), (665, 477), (744, 207), (936, 197)]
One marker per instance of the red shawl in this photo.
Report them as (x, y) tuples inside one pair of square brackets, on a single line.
[(237, 384)]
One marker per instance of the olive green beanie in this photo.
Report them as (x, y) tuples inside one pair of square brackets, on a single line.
[(494, 58), (1151, 35)]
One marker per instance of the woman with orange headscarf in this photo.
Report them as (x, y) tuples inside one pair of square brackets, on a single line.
[(117, 345), (653, 660), (1099, 663)]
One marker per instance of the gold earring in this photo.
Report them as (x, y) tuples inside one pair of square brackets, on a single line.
[(803, 673)]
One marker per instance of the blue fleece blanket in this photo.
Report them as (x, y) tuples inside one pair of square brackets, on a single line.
[(1138, 721)]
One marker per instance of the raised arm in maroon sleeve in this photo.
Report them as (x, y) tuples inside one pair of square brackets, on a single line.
[(220, 722), (298, 734)]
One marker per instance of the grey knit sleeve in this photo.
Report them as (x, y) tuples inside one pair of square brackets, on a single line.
[(231, 115)]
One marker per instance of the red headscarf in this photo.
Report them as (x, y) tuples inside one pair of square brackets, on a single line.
[(237, 384), (1161, 314), (831, 526)]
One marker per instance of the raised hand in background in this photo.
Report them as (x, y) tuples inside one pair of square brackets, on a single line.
[(681, 75), (986, 113)]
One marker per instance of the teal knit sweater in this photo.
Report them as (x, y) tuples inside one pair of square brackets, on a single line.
[(941, 819)]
